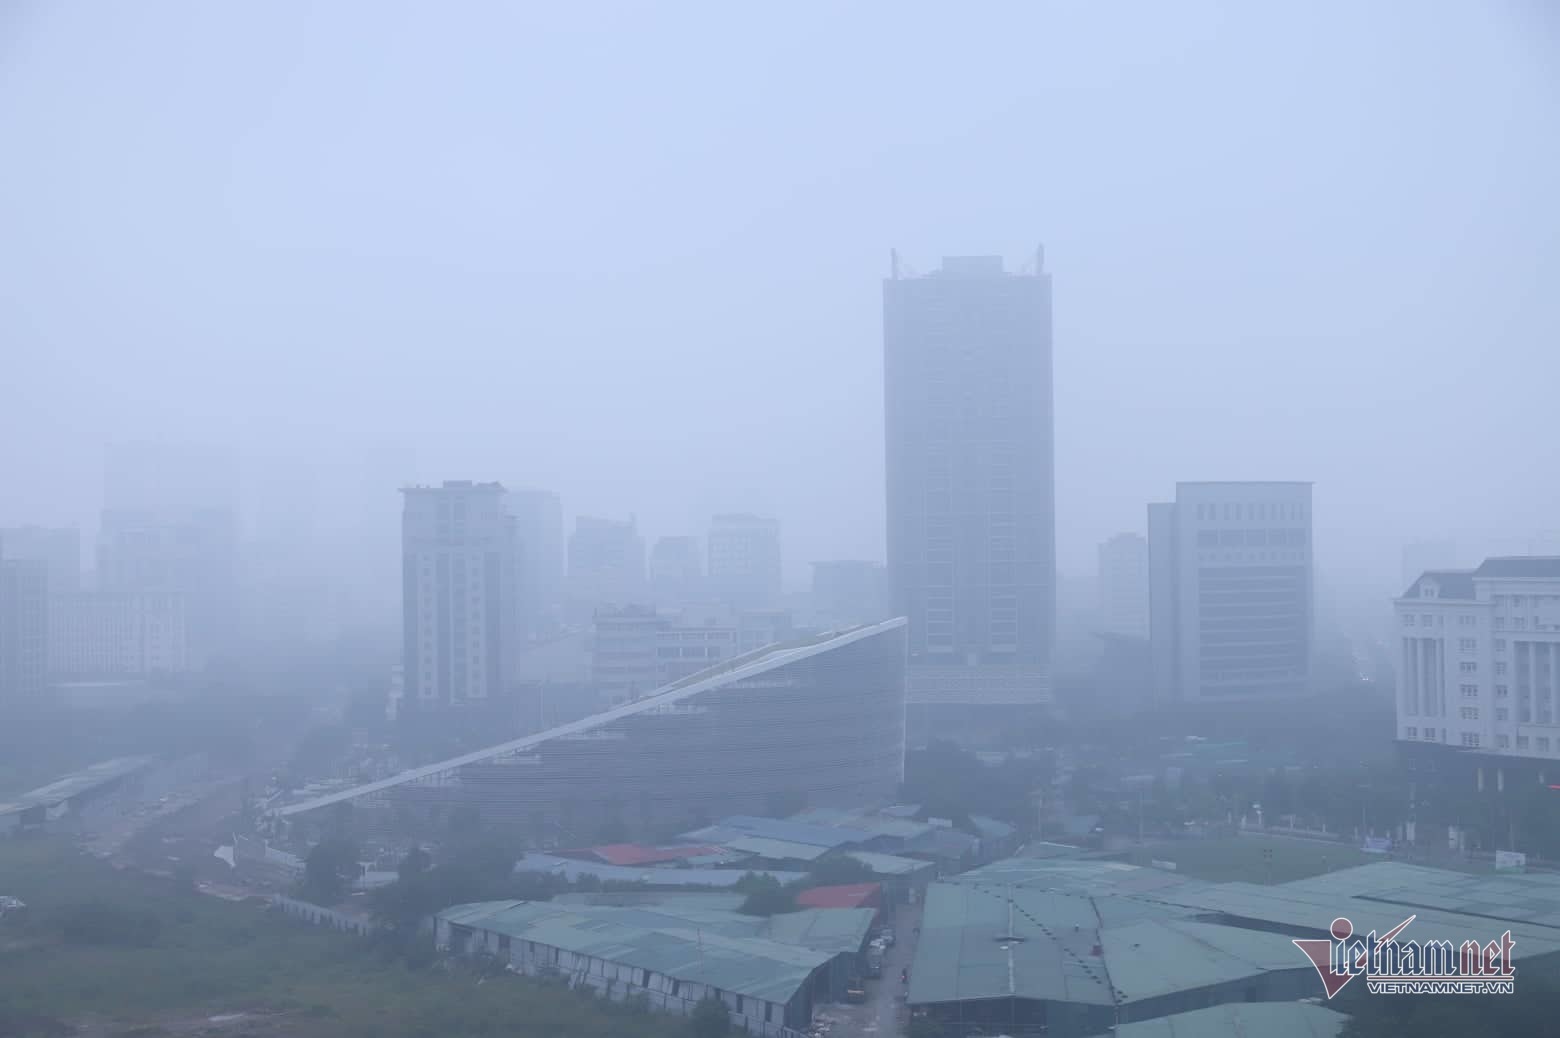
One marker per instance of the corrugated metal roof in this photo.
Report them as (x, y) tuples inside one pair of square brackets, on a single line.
[(571, 869), (1158, 932), (1241, 1020), (777, 850), (844, 895), (889, 864), (959, 956), (991, 828), (760, 967)]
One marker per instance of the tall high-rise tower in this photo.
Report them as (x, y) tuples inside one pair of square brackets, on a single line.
[(971, 523), (460, 561)]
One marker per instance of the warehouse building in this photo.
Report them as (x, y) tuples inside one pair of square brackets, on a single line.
[(1070, 946), (769, 972)]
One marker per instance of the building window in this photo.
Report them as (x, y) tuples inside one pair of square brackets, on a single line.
[(1470, 713), (1500, 645), (1411, 732), (1503, 741), (1470, 739), (1425, 620), (1522, 742), (1500, 623), (1517, 601), (1429, 735), (1501, 713), (1408, 619), (1543, 744), (1468, 644), (1470, 691), (1468, 667), (1519, 623), (1500, 668)]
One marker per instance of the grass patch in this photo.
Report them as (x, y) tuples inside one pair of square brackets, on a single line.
[(211, 956)]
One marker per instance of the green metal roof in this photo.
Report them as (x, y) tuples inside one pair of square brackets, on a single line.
[(1159, 956), (960, 955), (1241, 1020), (759, 967), (889, 864), (834, 930)]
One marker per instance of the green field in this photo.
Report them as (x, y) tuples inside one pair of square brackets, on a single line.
[(174, 956), (1241, 858)]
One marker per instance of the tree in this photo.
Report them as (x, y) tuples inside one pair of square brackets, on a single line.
[(416, 862), (709, 1018), (832, 872), (332, 864), (765, 895)]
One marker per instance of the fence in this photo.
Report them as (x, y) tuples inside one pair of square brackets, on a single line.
[(318, 916)]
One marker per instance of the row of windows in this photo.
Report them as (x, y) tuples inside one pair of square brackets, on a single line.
[(1540, 743), (1232, 512)]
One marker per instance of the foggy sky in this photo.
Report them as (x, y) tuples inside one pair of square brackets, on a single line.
[(634, 253)]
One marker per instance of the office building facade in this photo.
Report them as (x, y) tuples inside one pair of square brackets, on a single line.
[(744, 560), (606, 562), (1479, 660), (1231, 598), (460, 584), (58, 548), (96, 634), (539, 526), (676, 570), (970, 488), (24, 633)]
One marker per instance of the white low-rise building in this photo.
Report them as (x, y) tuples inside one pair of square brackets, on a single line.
[(1479, 665)]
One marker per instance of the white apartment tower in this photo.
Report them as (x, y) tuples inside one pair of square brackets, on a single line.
[(1124, 585), (460, 572), (1231, 591), (1479, 665)]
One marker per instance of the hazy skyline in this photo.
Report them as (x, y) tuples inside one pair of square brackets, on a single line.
[(634, 255)]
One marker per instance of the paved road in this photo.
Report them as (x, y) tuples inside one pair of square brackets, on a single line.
[(884, 1014)]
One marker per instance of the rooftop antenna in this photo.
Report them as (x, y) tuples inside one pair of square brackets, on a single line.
[(893, 264)]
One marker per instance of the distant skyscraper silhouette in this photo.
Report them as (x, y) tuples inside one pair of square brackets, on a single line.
[(971, 523)]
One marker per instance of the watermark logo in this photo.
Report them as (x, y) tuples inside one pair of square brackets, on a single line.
[(1405, 967)]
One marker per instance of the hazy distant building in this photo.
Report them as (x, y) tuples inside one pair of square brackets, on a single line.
[(24, 632), (95, 634), (1231, 610), (744, 559), (539, 523), (849, 591), (58, 548), (460, 578), (1422, 556), (1123, 577), (188, 553), (606, 562), (623, 660), (1478, 673), (638, 649), (676, 570), (970, 505)]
